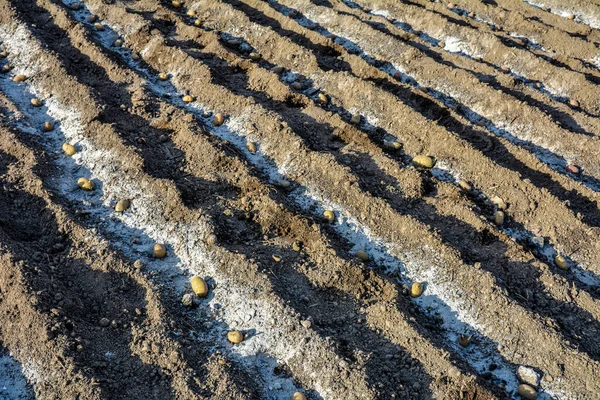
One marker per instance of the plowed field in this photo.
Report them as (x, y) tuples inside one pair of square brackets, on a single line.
[(385, 199)]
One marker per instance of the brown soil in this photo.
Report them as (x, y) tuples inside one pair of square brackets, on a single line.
[(90, 314)]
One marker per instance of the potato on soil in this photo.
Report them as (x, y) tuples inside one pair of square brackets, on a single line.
[(199, 286), (99, 26), (36, 102), (163, 76), (159, 250), (392, 145), (298, 396), (276, 258), (297, 86), (187, 98), (416, 289), (69, 149), (218, 119), (176, 3), (527, 392), (255, 56), (277, 69), (3, 54), (464, 340), (251, 146), (92, 18), (20, 78), (85, 184), (6, 68), (198, 22), (355, 119), (499, 218), (362, 255), (322, 99), (329, 216), (574, 103), (572, 169), (122, 205), (561, 262), (191, 13), (465, 185), (48, 126), (424, 162), (235, 337)]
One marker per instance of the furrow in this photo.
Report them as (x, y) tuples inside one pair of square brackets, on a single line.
[(303, 167)]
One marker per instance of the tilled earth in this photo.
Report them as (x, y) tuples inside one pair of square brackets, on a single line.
[(325, 105)]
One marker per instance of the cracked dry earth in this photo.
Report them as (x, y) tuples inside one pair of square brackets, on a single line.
[(386, 199)]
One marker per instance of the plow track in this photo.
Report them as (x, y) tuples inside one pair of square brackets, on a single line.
[(325, 105)]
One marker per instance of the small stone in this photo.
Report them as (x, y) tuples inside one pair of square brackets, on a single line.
[(464, 340), (355, 119), (574, 103), (104, 322), (92, 18), (498, 202), (499, 218), (306, 323), (255, 56), (297, 86), (505, 69), (98, 26), (277, 69)]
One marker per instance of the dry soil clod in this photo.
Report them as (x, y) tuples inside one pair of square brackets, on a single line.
[(218, 119), (159, 250), (297, 86), (187, 300), (122, 205), (561, 262), (69, 149), (284, 183), (235, 337), (199, 286), (329, 216), (424, 162), (20, 78), (6, 68), (3, 54), (355, 119), (416, 289), (85, 184), (48, 126)]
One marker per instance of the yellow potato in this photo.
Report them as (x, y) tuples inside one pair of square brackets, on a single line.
[(322, 98), (85, 184), (362, 255), (122, 205), (416, 289), (36, 102), (392, 145), (424, 162), (199, 286), (19, 78), (48, 126), (561, 262), (276, 258), (160, 251), (527, 392), (218, 119), (176, 3), (163, 76), (235, 337), (99, 26), (187, 99), (69, 149), (329, 216), (499, 218), (191, 13), (251, 146), (298, 396)]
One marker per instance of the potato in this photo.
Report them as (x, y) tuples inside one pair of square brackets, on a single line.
[(159, 250), (423, 162), (20, 78), (464, 340), (499, 218), (527, 392), (323, 99), (297, 86), (465, 185), (276, 258), (561, 262), (199, 286), (176, 3), (99, 26), (277, 69), (48, 126), (416, 289), (69, 149), (235, 337), (392, 145), (218, 119), (355, 119), (255, 56), (187, 98), (3, 54), (362, 255), (85, 184), (163, 76), (92, 18), (251, 146), (329, 216), (191, 13), (122, 205), (198, 22), (574, 103), (36, 102), (298, 396), (6, 68)]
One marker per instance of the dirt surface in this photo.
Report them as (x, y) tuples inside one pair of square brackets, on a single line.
[(325, 103)]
